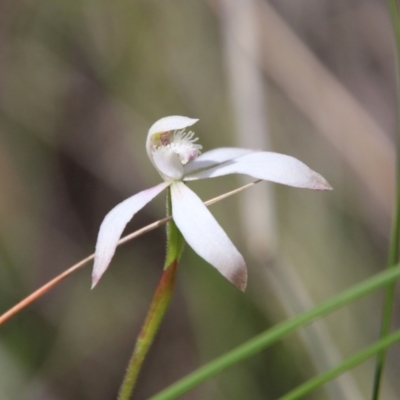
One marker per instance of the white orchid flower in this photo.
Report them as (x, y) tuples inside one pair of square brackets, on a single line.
[(176, 155)]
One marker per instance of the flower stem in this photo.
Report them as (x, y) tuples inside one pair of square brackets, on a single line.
[(395, 235), (158, 307), (155, 315)]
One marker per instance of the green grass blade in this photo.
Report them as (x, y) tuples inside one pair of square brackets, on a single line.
[(265, 339), (346, 365), (395, 237)]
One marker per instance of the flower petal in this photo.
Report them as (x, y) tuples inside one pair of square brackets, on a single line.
[(168, 164), (216, 156), (268, 166), (203, 233), (171, 123), (113, 225)]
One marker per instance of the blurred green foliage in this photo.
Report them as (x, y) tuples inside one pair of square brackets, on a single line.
[(80, 84)]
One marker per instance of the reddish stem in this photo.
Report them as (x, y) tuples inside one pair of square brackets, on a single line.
[(158, 307)]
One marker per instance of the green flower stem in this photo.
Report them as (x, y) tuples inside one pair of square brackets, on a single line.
[(175, 241), (267, 338), (395, 237), (158, 307), (349, 363), (155, 315)]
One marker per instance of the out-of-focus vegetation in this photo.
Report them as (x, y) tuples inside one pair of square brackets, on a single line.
[(80, 84)]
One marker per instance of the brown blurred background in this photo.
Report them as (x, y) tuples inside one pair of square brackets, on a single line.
[(80, 84)]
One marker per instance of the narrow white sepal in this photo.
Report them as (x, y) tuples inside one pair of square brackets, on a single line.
[(213, 157), (113, 225), (268, 166), (203, 233)]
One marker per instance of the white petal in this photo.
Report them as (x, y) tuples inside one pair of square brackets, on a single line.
[(113, 226), (268, 166), (203, 233), (168, 164), (171, 123), (216, 156)]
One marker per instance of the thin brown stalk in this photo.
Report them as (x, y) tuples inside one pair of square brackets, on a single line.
[(55, 281)]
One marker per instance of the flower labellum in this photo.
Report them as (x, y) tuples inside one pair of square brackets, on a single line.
[(177, 157)]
